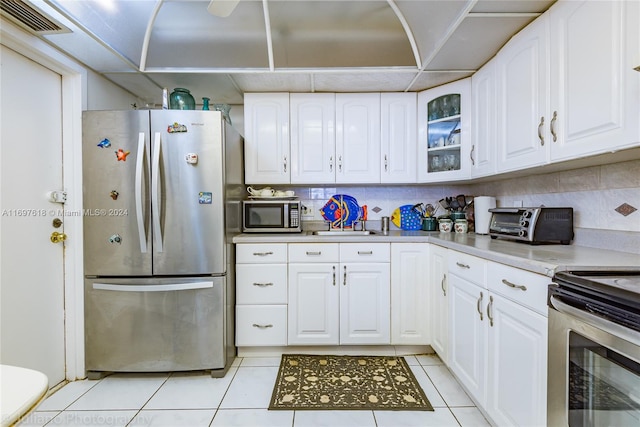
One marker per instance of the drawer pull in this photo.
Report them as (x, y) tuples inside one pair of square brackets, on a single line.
[(365, 252), (478, 306), (317, 253), (513, 285), (255, 325), (489, 310), (262, 285), (262, 253), (461, 265)]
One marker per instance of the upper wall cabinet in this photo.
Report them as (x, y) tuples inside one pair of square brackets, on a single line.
[(266, 148), (443, 132), (398, 137), (483, 125), (522, 72), (313, 138), (358, 138), (595, 92)]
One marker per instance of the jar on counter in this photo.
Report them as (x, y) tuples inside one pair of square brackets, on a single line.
[(461, 226)]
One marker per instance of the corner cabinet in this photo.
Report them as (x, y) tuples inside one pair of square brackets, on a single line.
[(443, 132), (266, 145)]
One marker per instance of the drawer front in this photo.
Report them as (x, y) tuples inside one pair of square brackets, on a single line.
[(523, 287), (261, 284), (365, 252), (261, 253), (468, 267), (314, 252), (261, 325)]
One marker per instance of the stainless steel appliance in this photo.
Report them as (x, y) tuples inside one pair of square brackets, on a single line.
[(271, 216), (532, 225), (594, 349), (162, 192)]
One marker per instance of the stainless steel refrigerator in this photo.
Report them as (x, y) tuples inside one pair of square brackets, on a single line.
[(162, 192)]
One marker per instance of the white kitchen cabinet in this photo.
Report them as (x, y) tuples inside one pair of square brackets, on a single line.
[(468, 334), (410, 321), (438, 301), (398, 137), (444, 141), (517, 364), (483, 125), (594, 89), (261, 294), (522, 70), (266, 142), (357, 138), (313, 138), (346, 302)]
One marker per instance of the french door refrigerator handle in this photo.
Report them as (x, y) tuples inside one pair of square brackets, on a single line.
[(155, 196), (153, 288), (142, 236)]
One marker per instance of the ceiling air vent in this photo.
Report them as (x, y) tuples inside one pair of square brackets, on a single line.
[(29, 18)]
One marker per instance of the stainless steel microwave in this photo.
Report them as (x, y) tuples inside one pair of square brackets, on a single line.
[(271, 216)]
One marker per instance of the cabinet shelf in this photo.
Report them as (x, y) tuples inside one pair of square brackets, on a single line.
[(453, 147), (455, 118)]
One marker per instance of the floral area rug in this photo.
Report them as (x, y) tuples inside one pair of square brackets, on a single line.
[(347, 382)]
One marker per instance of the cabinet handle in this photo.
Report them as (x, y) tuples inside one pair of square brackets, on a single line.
[(262, 253), (334, 275), (386, 164), (444, 290), (513, 285), (344, 279), (339, 163), (365, 252), (478, 306), (489, 310), (540, 127), (262, 285), (285, 164), (552, 126), (461, 265), (314, 253), (331, 164), (255, 325), (473, 148)]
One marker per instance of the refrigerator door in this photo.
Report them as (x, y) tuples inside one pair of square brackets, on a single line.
[(155, 324), (115, 152), (187, 176)]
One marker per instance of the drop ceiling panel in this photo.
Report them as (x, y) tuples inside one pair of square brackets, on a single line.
[(363, 82), (310, 34), (273, 82), (121, 24), (186, 35), (476, 41)]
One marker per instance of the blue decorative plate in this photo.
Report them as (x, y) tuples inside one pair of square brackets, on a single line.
[(347, 213)]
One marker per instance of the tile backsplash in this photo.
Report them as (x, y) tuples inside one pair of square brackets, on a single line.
[(593, 192)]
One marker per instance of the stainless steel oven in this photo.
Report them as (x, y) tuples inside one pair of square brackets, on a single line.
[(594, 349)]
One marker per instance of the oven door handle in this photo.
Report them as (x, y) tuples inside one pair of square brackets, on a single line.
[(595, 321)]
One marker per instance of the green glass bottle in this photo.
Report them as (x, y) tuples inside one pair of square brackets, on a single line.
[(181, 99)]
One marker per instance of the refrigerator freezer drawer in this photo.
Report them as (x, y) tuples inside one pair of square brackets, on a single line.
[(155, 325)]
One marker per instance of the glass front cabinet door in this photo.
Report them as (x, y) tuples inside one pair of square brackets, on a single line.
[(443, 132)]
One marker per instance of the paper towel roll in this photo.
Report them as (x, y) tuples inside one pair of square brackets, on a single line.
[(481, 206)]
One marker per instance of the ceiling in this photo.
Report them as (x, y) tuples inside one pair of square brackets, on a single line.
[(279, 45)]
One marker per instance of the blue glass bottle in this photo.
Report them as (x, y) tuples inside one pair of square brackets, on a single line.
[(205, 103), (181, 99)]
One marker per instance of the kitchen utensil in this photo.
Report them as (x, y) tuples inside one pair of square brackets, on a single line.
[(462, 201), (406, 218), (420, 209), (429, 210)]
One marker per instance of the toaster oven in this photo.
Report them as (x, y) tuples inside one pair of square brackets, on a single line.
[(533, 225)]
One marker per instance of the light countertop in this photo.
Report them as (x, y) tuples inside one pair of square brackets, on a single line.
[(542, 259)]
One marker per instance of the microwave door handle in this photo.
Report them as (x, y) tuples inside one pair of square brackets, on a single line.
[(286, 215), (155, 195), (142, 236)]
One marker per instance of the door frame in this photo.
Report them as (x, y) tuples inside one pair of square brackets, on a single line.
[(74, 84)]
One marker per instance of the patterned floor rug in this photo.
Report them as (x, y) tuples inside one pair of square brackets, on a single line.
[(347, 382)]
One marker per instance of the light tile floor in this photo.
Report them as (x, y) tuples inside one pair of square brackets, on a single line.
[(240, 399)]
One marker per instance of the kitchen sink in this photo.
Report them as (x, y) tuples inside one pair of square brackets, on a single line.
[(342, 233)]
